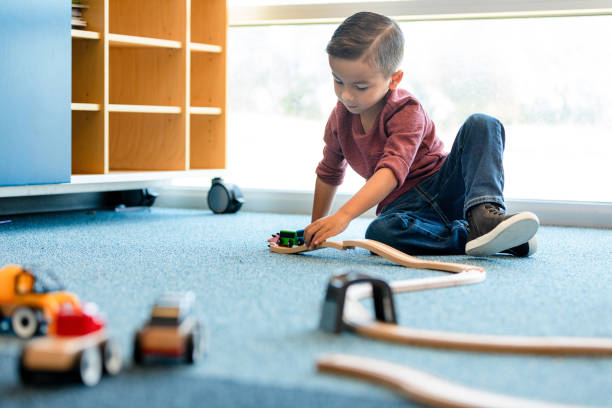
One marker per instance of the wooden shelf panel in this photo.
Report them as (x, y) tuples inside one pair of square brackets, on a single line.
[(91, 107), (199, 47), (144, 108), (85, 34), (205, 110), (121, 40)]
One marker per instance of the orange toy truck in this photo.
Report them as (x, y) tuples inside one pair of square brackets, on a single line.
[(30, 301)]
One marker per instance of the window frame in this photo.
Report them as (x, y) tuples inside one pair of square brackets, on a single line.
[(414, 10)]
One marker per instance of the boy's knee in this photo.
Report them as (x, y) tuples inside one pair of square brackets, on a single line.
[(384, 227), (482, 125), (481, 120), (376, 229)]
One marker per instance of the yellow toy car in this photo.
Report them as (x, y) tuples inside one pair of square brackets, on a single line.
[(171, 332), (30, 301)]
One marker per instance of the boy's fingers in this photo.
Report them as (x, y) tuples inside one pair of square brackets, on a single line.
[(311, 240), (321, 236), (308, 234), (318, 238)]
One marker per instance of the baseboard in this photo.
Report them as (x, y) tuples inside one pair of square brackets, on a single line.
[(562, 213), (566, 213)]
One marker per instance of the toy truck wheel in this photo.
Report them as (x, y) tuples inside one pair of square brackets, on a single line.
[(113, 360), (89, 366), (26, 376), (25, 322), (193, 348), (190, 350), (138, 355)]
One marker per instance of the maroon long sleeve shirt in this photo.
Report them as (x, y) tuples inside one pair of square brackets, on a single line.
[(403, 139)]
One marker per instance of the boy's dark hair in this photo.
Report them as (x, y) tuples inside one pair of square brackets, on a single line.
[(369, 35)]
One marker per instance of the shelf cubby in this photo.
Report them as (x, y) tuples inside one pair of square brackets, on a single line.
[(207, 147), (89, 147), (207, 30), (88, 90), (205, 92), (161, 19), (147, 141), (87, 71), (147, 76)]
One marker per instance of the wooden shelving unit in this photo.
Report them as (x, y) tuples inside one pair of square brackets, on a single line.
[(149, 86)]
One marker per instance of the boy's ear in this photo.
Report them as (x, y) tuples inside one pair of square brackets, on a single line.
[(395, 79)]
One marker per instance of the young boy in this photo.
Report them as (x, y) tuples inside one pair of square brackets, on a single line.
[(429, 202)]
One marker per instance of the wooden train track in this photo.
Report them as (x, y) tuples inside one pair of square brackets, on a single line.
[(359, 320), (414, 384), (384, 251), (420, 386)]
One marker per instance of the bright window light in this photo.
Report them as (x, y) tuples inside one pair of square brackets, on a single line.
[(547, 79)]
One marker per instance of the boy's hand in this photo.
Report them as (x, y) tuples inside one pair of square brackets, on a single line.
[(324, 228)]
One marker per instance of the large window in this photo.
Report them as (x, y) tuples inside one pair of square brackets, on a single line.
[(547, 79)]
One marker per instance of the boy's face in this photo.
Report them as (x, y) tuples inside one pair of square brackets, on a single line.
[(358, 85)]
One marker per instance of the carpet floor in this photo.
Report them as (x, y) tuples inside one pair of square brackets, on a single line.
[(261, 310)]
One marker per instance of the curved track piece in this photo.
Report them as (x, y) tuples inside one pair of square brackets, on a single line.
[(360, 320), (419, 385), (363, 291), (383, 250), (483, 342)]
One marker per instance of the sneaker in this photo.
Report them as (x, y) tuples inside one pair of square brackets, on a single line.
[(527, 249), (492, 231)]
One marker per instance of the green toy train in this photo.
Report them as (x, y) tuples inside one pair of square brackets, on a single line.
[(290, 238)]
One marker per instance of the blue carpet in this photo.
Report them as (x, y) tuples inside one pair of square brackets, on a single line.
[(261, 310)]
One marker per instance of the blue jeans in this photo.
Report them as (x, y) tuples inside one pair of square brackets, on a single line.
[(430, 218)]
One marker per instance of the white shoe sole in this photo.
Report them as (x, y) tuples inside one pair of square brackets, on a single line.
[(512, 232)]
